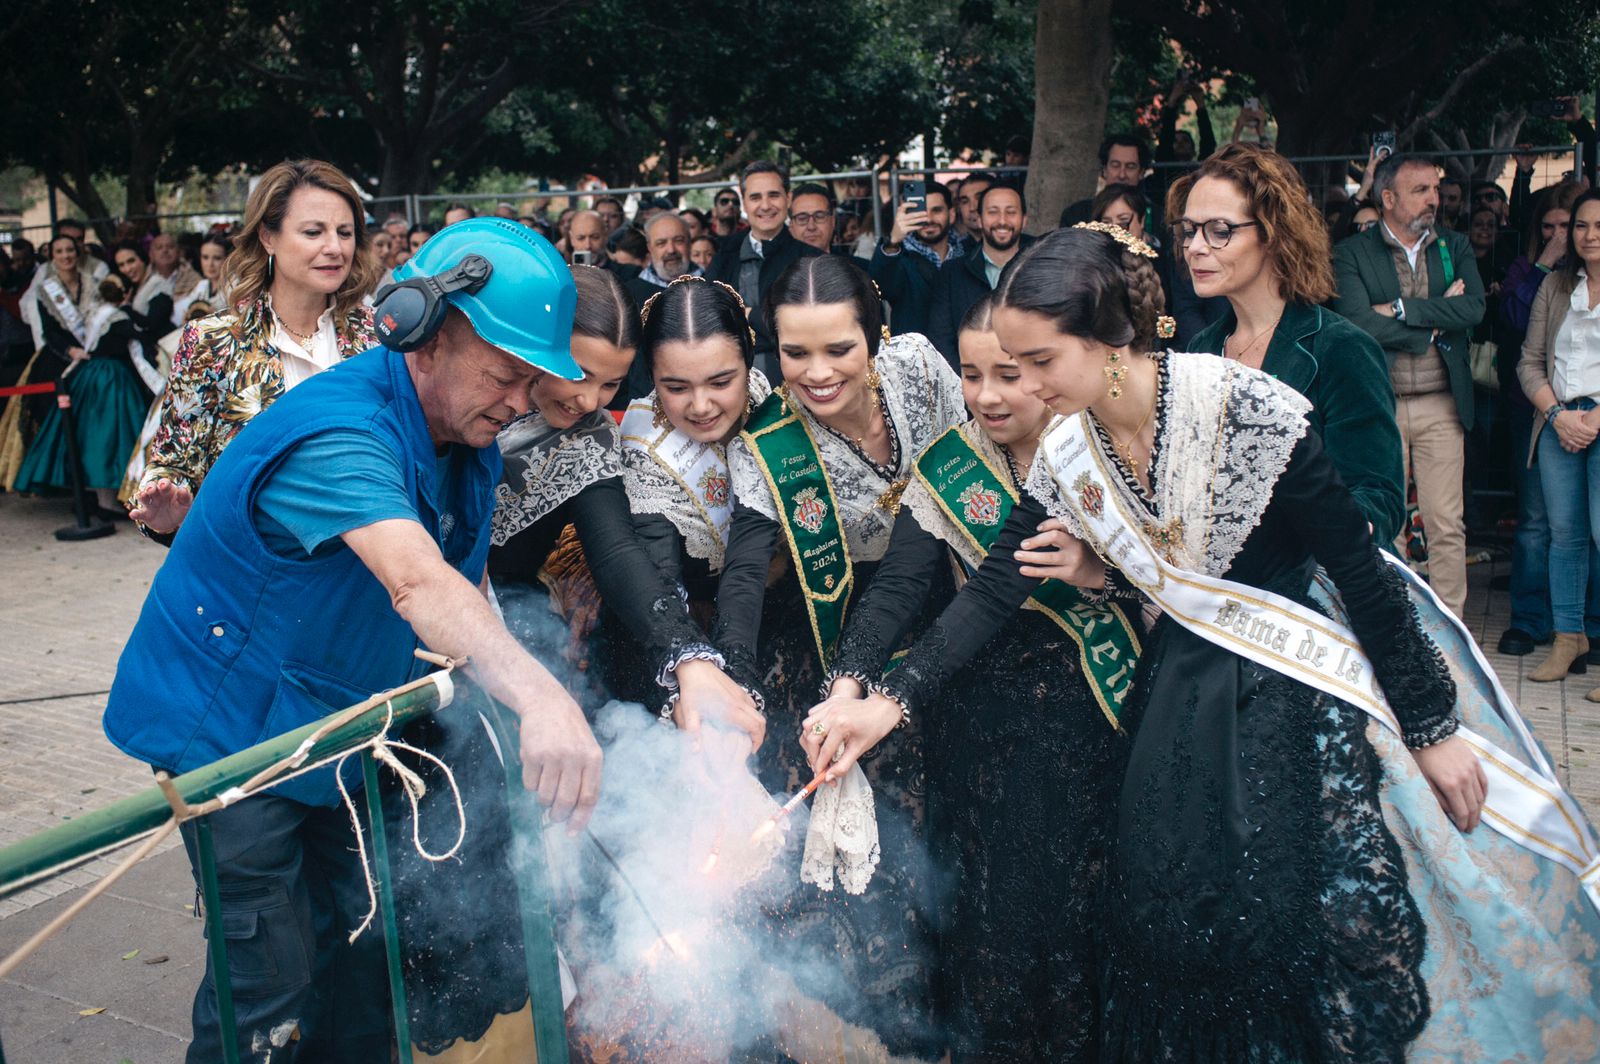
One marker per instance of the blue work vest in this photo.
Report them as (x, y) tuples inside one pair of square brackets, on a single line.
[(235, 643)]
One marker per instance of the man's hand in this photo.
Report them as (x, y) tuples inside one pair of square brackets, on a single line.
[(1573, 113), (907, 220), (1525, 158), (1057, 554), (1386, 309), (1458, 287), (560, 758), (161, 506)]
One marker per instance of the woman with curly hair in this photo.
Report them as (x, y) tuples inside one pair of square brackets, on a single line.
[(294, 285)]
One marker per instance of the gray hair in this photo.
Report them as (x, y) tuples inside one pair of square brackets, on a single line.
[(1388, 172), (651, 224)]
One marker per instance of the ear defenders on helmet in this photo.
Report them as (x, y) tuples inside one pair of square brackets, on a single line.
[(409, 313)]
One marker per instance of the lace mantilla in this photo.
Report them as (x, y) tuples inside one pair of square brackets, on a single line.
[(688, 483), (546, 466), (1227, 436), (922, 397)]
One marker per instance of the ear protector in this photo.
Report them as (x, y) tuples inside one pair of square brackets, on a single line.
[(409, 313)]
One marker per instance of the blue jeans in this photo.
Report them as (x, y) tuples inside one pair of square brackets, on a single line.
[(1571, 488)]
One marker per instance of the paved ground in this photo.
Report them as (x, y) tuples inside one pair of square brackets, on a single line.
[(67, 608)]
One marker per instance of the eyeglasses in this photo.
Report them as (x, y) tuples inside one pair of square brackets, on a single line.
[(1362, 227), (814, 218), (1217, 231), (726, 201)]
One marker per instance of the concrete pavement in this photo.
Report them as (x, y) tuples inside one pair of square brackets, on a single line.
[(68, 607)]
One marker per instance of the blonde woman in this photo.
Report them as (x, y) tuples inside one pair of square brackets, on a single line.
[(294, 286)]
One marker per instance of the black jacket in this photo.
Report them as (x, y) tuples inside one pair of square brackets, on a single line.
[(906, 281), (778, 254), (958, 285)]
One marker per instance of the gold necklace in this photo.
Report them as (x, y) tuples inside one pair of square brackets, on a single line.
[(1238, 355), (303, 339), (1126, 449)]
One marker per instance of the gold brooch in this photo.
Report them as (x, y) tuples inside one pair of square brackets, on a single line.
[(1166, 538), (889, 501), (1121, 236)]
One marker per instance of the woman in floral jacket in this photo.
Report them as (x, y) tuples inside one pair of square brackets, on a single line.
[(295, 282)]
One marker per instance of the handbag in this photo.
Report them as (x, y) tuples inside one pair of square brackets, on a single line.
[(1482, 357)]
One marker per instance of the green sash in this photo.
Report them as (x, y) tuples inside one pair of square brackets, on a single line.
[(786, 453), (977, 499)]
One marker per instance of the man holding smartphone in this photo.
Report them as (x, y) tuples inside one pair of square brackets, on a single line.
[(908, 260)]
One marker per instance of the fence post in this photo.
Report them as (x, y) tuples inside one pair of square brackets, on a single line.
[(533, 891), (217, 941), (877, 214), (384, 873)]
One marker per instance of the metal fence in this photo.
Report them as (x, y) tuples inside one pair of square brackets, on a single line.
[(116, 825), (1322, 174)]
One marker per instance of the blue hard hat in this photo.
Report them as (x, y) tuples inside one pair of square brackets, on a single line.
[(526, 307)]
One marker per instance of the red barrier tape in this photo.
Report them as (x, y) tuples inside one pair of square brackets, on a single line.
[(29, 389)]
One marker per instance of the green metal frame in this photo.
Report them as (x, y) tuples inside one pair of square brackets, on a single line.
[(121, 821)]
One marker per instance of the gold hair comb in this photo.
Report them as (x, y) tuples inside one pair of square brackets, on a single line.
[(1121, 236)]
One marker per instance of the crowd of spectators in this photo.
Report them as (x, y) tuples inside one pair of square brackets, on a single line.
[(1443, 270)]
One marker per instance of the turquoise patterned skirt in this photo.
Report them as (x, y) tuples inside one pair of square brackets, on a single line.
[(1513, 942), (109, 406)]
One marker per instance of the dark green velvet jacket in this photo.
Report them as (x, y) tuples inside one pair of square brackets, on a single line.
[(1345, 374)]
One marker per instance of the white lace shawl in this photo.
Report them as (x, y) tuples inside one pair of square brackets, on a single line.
[(654, 488), (923, 398), (932, 517), (546, 466), (153, 285), (1226, 432)]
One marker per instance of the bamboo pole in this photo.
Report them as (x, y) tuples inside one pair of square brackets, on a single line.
[(109, 825)]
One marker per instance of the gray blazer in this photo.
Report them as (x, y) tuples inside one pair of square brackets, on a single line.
[(1536, 368)]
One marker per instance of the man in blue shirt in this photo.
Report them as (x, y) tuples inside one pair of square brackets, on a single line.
[(346, 526)]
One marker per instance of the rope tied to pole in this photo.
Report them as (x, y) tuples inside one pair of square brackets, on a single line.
[(288, 768), (382, 748)]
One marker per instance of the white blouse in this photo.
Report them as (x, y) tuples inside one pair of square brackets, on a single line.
[(1577, 348)]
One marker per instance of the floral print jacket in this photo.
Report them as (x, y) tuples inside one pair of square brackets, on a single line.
[(225, 372)]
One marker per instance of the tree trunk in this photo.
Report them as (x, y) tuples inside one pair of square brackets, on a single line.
[(1071, 88)]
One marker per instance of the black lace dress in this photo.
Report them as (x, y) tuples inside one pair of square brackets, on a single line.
[(1023, 771), (1257, 907), (460, 923)]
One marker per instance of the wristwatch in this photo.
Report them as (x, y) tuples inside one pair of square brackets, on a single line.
[(1551, 411), (1399, 308)]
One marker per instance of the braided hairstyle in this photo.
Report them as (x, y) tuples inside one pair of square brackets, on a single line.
[(1090, 285), (691, 309)]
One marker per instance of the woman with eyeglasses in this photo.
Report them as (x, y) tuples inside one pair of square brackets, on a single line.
[(1246, 230)]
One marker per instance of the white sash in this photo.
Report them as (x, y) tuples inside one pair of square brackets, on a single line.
[(1525, 803), (65, 307), (701, 469)]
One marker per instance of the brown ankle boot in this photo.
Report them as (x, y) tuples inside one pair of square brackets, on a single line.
[(1566, 656)]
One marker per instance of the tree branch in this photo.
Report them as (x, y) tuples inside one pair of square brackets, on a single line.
[(1467, 75)]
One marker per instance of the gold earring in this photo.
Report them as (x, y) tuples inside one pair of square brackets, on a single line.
[(659, 418), (885, 333), (874, 382), (1115, 374)]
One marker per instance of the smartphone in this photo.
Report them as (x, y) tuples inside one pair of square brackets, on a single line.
[(1547, 108), (1253, 104), (914, 194), (583, 258), (1383, 144)]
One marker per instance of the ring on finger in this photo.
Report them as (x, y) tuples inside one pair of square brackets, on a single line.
[(819, 728)]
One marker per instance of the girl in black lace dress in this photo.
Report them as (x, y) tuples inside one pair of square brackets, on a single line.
[(1257, 907), (817, 476), (697, 346), (1025, 753)]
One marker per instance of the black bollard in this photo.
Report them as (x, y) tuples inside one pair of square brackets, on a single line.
[(89, 525)]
